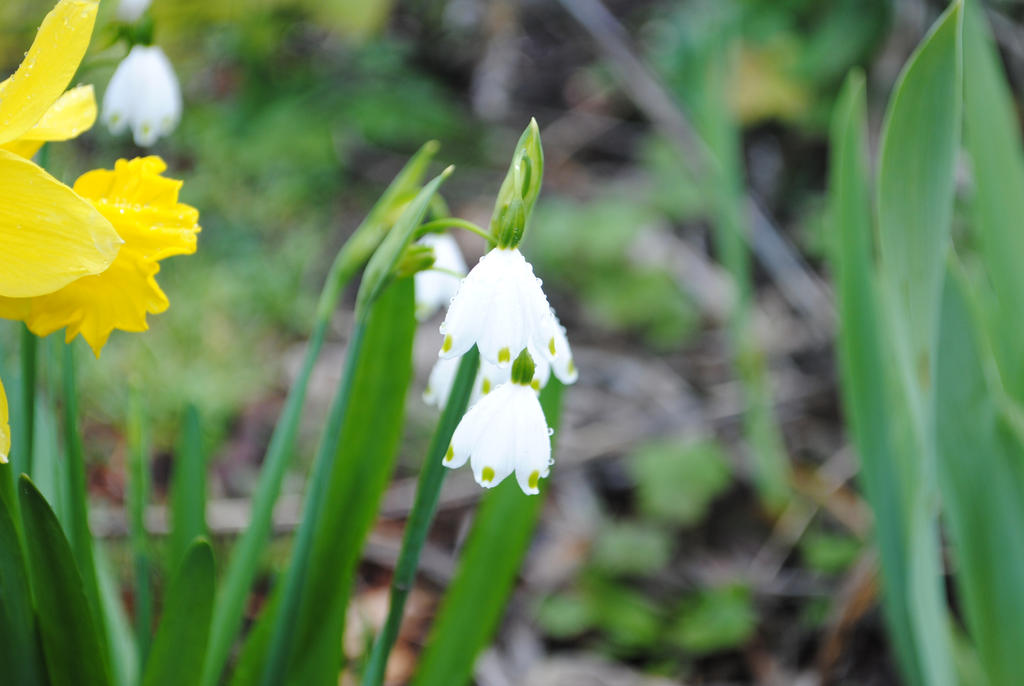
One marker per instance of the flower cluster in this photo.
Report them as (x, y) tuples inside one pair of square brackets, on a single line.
[(85, 257), (500, 307)]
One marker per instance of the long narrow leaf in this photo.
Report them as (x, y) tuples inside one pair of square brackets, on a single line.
[(494, 552), (69, 629), (124, 654), (982, 491), (180, 643), (862, 363), (188, 489), (915, 190), (18, 649), (992, 135)]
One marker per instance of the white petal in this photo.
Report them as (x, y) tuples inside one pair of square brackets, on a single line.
[(533, 457), (436, 289), (564, 366), (467, 313), (467, 434), (493, 454), (439, 385)]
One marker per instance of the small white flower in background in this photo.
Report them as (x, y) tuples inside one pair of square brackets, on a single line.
[(562, 364), (143, 94), (442, 378), (130, 11), (434, 288), (500, 306), (505, 432)]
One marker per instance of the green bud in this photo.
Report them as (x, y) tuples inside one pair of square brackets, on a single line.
[(415, 258), (523, 369), (519, 190)]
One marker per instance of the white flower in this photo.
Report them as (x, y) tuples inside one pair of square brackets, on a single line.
[(434, 288), (504, 432), (500, 306), (130, 11), (143, 94), (442, 378), (563, 364)]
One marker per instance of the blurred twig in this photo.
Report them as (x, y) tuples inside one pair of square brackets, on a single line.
[(803, 290)]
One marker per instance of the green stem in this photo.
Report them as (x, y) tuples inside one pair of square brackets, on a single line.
[(438, 225), (138, 496), (28, 397), (274, 671), (428, 491)]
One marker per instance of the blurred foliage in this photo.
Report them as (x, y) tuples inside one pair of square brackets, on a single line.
[(829, 553), (588, 249), (789, 57), (630, 548), (676, 482), (715, 619)]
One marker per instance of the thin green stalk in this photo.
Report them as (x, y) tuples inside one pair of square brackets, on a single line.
[(28, 397), (243, 565), (138, 496), (78, 532), (283, 638), (428, 491), (453, 222)]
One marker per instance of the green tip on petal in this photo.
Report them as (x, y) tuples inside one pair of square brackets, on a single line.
[(504, 355), (551, 345), (450, 454), (535, 384), (534, 479), (447, 345), (488, 475), (485, 387), (572, 367)]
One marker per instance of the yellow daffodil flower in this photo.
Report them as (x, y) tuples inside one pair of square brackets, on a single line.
[(143, 206), (49, 236)]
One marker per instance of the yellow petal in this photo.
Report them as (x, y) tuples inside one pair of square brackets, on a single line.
[(48, 66), (49, 235), (72, 114), (5, 427), (144, 208)]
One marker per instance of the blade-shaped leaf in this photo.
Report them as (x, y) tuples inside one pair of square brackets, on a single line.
[(180, 643), (992, 135), (982, 491), (70, 632), (861, 358), (18, 649), (494, 552), (188, 490)]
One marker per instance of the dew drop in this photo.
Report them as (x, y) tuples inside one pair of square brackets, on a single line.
[(551, 432)]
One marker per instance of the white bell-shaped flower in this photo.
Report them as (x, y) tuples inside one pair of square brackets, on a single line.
[(130, 11), (436, 287), (144, 95), (505, 432), (562, 362), (500, 307), (442, 378)]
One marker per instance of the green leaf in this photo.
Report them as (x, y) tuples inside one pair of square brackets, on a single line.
[(630, 620), (188, 489), (920, 138), (381, 267), (476, 598), (829, 553), (180, 643), (243, 564), (677, 481), (631, 548), (19, 653), (359, 446), (992, 136), (565, 615), (980, 473), (70, 632), (124, 653), (715, 620)]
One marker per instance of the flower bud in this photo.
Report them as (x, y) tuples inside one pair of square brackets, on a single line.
[(414, 259), (519, 190), (523, 369)]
